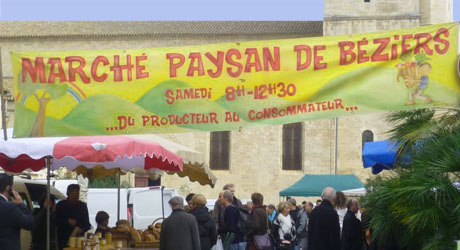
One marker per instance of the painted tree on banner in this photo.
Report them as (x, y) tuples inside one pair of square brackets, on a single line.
[(43, 94)]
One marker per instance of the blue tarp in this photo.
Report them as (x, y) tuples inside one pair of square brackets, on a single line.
[(313, 185), (379, 155)]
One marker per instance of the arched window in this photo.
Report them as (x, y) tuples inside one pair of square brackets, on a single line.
[(220, 150), (367, 136), (292, 146)]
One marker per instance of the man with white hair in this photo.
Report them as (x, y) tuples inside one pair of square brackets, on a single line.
[(180, 230), (324, 227)]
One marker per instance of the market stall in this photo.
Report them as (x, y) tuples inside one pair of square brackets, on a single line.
[(313, 184), (194, 167), (111, 152)]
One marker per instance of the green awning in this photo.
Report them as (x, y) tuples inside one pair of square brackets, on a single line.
[(313, 185)]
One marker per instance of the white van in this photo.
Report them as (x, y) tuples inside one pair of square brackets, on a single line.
[(105, 199), (145, 205), (140, 206), (31, 192)]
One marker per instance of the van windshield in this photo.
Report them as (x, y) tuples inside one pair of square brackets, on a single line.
[(37, 193)]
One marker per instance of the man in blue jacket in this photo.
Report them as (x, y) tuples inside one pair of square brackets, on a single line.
[(14, 215)]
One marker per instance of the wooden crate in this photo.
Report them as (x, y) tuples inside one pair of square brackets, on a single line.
[(146, 244)]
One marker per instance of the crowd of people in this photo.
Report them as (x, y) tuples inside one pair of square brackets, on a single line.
[(334, 223)]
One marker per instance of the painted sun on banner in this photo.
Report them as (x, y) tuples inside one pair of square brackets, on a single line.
[(226, 86)]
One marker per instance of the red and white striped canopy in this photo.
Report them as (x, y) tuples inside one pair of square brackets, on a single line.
[(128, 154)]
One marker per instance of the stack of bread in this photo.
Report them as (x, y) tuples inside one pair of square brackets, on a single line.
[(152, 234), (121, 226)]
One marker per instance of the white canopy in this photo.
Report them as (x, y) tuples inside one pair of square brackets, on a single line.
[(355, 192)]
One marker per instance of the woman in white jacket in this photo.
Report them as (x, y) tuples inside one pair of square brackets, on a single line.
[(284, 226)]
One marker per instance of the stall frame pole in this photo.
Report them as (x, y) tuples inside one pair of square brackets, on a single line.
[(118, 196), (48, 212), (2, 98)]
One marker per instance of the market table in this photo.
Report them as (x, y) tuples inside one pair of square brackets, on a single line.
[(130, 248)]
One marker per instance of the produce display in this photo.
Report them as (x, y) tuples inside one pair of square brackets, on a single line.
[(122, 235), (130, 236)]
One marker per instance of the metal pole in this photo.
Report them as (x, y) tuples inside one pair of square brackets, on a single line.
[(162, 203), (2, 97), (118, 201), (336, 141), (48, 213)]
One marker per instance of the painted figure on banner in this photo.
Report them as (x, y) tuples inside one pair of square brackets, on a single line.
[(414, 72)]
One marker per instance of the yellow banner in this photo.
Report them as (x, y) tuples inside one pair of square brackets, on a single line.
[(232, 85)]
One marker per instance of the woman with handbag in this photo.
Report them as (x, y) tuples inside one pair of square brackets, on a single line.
[(258, 234)]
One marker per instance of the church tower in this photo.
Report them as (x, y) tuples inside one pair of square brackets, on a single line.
[(359, 16), (436, 11)]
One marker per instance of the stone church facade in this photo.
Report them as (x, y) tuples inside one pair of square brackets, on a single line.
[(254, 156)]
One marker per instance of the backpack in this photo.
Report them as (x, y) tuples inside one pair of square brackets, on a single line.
[(244, 223)]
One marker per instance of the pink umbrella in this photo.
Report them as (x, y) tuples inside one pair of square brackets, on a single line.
[(125, 153)]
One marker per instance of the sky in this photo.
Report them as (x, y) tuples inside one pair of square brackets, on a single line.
[(166, 10)]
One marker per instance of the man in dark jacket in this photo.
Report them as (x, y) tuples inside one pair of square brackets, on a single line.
[(14, 215), (352, 232), (39, 233), (230, 232), (180, 230), (71, 216), (219, 208), (324, 227)]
